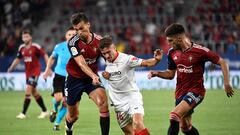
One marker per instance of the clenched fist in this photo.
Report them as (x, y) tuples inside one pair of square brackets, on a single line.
[(106, 75)]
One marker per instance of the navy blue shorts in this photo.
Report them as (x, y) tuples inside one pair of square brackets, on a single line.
[(191, 98), (32, 80), (74, 88)]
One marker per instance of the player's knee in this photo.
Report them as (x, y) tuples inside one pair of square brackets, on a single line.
[(104, 114), (72, 118), (27, 96), (174, 117), (138, 125), (102, 103), (64, 104), (36, 96), (185, 128)]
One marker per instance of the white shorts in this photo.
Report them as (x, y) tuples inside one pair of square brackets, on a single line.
[(133, 104)]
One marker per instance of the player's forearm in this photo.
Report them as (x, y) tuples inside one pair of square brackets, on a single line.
[(167, 74), (50, 63), (46, 58), (14, 64), (225, 71), (86, 69), (150, 62)]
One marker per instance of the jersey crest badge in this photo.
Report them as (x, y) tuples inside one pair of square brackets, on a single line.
[(190, 58)]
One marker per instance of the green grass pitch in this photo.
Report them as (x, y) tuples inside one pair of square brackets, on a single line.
[(216, 115)]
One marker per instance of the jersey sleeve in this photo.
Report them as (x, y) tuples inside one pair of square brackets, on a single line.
[(171, 63), (133, 61), (19, 54), (73, 47), (54, 52), (210, 56)]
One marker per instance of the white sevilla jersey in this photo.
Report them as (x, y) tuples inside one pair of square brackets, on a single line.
[(122, 82)]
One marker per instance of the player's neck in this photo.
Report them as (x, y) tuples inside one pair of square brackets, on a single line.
[(90, 37), (28, 44), (186, 45)]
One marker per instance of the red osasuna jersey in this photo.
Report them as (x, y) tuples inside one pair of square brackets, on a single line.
[(31, 57), (90, 52), (189, 66)]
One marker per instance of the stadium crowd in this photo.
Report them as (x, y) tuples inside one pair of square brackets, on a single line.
[(16, 15), (137, 25)]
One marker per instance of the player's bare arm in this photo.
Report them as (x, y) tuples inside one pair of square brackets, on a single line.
[(45, 58), (48, 70), (158, 54), (80, 60), (225, 70), (167, 74), (13, 65)]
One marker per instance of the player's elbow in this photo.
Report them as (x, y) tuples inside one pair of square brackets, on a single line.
[(170, 77)]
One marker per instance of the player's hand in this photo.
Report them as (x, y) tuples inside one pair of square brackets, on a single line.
[(96, 80), (9, 70), (106, 75), (152, 74), (158, 54), (46, 74), (229, 90)]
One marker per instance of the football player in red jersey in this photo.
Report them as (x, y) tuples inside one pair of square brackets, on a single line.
[(188, 59), (82, 76), (30, 53)]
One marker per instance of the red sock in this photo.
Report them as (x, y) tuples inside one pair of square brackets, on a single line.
[(143, 132)]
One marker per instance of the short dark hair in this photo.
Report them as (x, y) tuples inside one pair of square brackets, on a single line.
[(78, 17), (70, 28), (106, 41), (26, 31), (174, 29)]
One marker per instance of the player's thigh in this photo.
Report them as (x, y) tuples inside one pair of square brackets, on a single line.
[(73, 110), (128, 129), (182, 108), (124, 119), (186, 121), (29, 89), (99, 97), (138, 121)]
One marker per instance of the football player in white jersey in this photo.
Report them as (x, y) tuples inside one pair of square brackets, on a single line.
[(124, 94)]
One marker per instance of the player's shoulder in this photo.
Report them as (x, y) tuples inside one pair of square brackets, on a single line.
[(170, 51), (61, 44), (96, 36), (21, 47), (74, 40), (36, 45), (200, 48), (125, 57)]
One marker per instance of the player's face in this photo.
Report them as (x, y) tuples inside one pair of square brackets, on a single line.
[(70, 34), (109, 53), (175, 42), (27, 38), (83, 30)]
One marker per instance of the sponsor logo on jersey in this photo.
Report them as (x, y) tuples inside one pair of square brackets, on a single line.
[(184, 69), (117, 73), (28, 59), (190, 58)]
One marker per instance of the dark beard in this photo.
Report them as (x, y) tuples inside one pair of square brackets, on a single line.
[(83, 38)]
